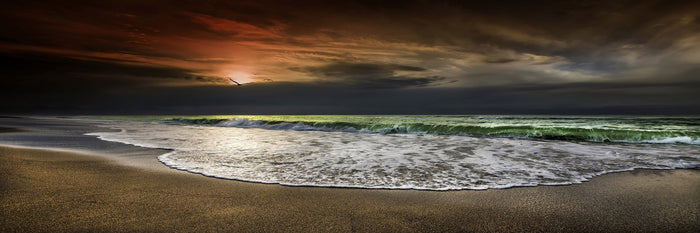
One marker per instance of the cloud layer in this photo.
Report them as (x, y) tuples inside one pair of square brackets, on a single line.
[(627, 53)]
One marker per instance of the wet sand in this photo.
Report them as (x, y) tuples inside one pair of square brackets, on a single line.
[(49, 191), (9, 130)]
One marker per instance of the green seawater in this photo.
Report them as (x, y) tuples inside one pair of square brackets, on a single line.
[(636, 129)]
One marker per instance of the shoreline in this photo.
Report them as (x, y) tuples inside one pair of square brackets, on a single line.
[(633, 170), (166, 168), (44, 190)]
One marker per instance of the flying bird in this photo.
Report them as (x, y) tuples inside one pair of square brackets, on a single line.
[(234, 81)]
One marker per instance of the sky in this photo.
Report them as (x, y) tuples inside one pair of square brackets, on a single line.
[(350, 57)]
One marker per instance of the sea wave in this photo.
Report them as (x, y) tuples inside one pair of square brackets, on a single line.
[(534, 130)]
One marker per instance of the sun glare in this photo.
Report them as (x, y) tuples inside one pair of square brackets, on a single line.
[(241, 77)]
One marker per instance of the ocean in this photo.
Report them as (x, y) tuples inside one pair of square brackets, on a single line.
[(425, 152)]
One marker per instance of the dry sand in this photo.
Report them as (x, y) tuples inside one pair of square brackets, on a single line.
[(48, 191)]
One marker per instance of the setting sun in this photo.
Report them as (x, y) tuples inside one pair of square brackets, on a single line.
[(241, 77)]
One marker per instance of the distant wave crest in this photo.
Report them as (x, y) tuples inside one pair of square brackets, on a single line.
[(533, 131)]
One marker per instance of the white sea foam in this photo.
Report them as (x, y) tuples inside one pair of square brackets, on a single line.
[(682, 140), (395, 161), (247, 124)]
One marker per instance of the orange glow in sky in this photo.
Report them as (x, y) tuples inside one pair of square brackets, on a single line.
[(433, 45)]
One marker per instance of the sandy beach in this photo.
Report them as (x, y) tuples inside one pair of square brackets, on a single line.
[(49, 191)]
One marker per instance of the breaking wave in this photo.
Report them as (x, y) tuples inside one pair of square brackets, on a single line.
[(525, 128)]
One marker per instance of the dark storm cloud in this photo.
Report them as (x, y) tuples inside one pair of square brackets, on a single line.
[(369, 75), (41, 74), (499, 60), (296, 98)]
